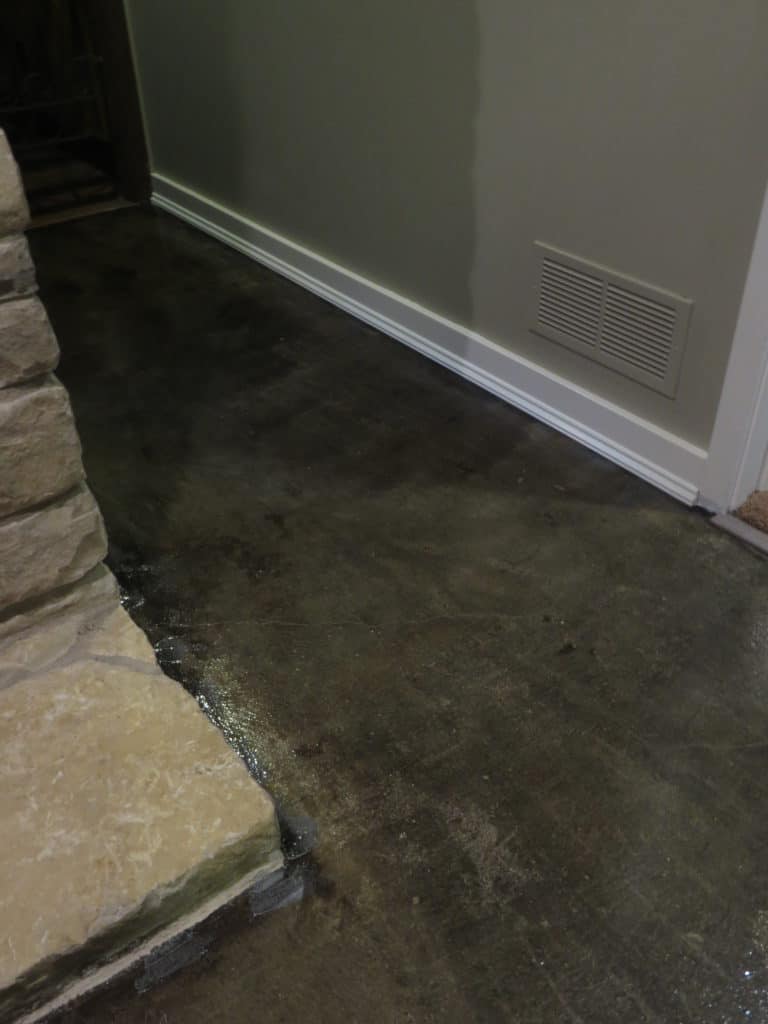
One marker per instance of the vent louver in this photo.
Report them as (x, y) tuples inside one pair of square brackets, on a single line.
[(627, 325)]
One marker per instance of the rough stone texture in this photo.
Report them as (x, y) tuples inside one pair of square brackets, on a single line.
[(28, 345), (40, 455), (54, 630), (49, 548), (93, 592), (96, 629), (17, 272), (122, 807), (14, 211)]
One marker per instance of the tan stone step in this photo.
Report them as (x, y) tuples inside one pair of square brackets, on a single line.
[(124, 812)]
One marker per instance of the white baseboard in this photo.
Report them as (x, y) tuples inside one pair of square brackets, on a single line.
[(661, 458)]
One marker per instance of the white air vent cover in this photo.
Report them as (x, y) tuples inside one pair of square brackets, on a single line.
[(625, 324)]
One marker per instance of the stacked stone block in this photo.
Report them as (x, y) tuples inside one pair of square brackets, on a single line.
[(51, 533)]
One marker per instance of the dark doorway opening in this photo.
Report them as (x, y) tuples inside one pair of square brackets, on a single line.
[(69, 105)]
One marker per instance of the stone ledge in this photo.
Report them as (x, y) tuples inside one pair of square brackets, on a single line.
[(123, 812), (268, 877), (40, 455)]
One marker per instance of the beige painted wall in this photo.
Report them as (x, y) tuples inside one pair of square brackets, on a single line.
[(426, 145)]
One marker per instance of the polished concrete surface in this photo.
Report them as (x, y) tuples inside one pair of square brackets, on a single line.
[(523, 695)]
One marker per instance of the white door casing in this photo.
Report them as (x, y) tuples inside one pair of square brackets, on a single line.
[(737, 451)]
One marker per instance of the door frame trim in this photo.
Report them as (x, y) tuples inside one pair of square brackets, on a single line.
[(739, 443)]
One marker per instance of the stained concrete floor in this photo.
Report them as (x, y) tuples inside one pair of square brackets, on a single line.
[(524, 695)]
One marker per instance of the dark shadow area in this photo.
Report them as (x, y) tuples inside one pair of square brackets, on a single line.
[(69, 105), (521, 693)]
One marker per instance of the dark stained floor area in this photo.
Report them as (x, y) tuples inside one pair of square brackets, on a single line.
[(523, 695)]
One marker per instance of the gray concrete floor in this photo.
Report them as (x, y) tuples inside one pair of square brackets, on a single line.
[(524, 695)]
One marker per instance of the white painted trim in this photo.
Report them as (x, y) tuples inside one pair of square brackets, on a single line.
[(657, 456), (740, 438), (762, 484)]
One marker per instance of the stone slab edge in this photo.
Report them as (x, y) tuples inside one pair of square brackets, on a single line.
[(162, 915), (102, 976)]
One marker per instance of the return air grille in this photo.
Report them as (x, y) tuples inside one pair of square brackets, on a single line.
[(627, 325), (570, 301)]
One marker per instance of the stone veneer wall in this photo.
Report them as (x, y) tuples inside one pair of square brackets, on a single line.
[(51, 532), (125, 817)]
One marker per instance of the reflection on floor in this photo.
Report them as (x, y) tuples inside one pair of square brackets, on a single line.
[(523, 694)]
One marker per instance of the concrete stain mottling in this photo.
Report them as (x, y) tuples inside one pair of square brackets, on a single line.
[(522, 694)]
